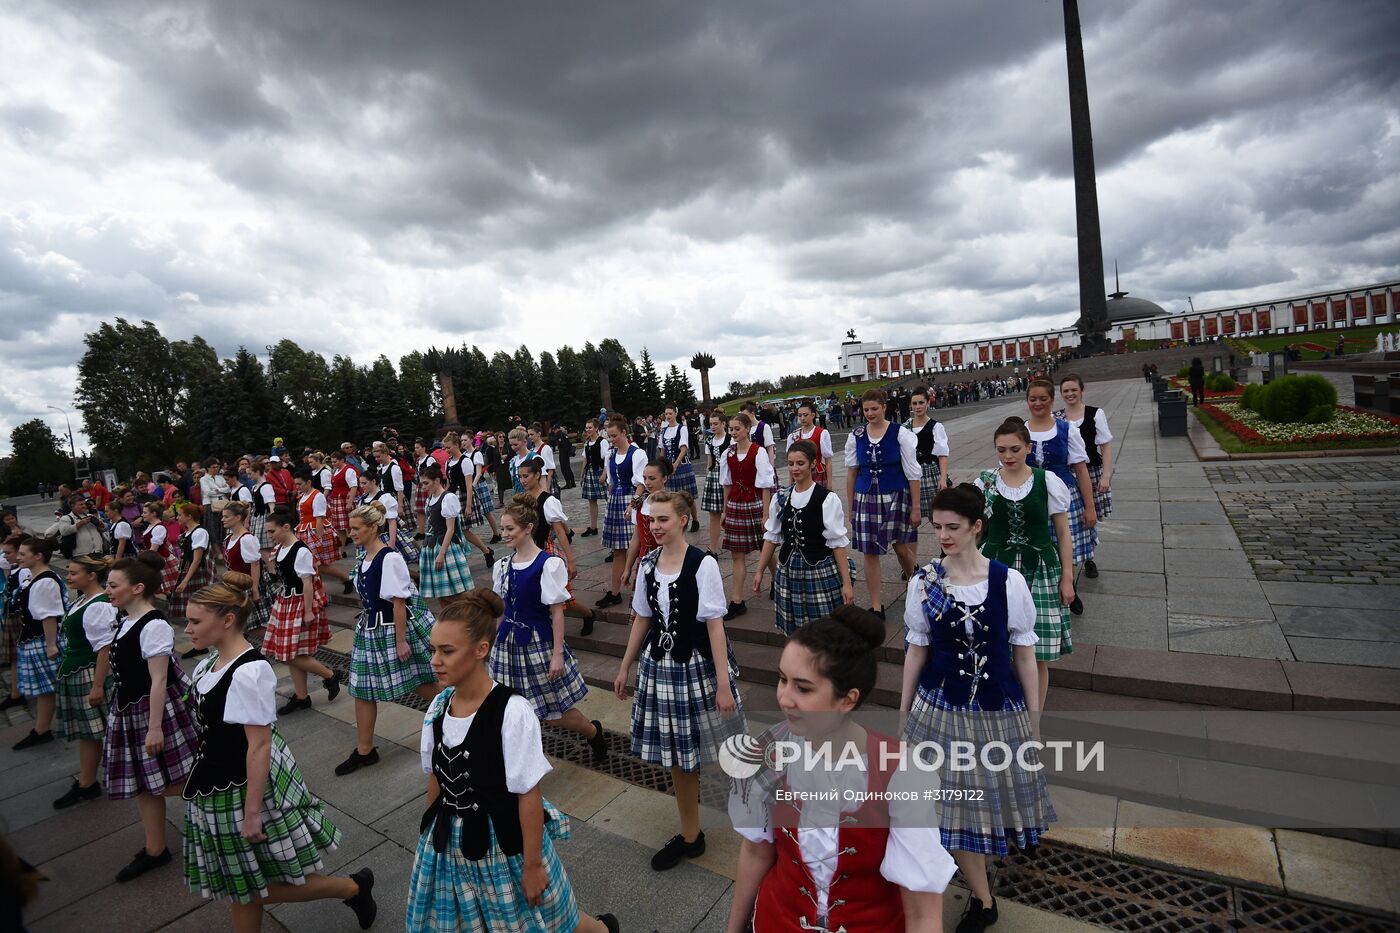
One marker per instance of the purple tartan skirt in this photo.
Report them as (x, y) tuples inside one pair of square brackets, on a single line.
[(126, 768), (880, 520)]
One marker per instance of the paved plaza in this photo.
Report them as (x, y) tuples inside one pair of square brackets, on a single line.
[(1201, 565)]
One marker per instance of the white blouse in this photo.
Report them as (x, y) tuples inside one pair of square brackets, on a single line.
[(833, 517), (46, 599), (714, 603), (451, 505), (252, 696), (99, 622), (1102, 435), (1077, 453), (684, 437), (521, 744), (158, 535), (825, 448), (547, 455), (554, 579), (1056, 490), (394, 581), (305, 565), (764, 477), (157, 637), (1020, 607), (318, 503), (249, 549), (940, 438), (199, 538), (391, 506), (554, 511), (639, 463), (908, 451)]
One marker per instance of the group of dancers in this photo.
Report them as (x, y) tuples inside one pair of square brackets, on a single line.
[(494, 662)]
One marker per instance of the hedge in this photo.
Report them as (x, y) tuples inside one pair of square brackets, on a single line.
[(1307, 399)]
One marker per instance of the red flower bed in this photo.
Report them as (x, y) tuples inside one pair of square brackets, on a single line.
[(1252, 437)]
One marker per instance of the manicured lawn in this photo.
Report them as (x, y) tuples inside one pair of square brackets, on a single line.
[(1224, 419), (840, 388), (1359, 340)]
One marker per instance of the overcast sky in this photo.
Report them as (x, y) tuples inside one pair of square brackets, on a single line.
[(747, 178)]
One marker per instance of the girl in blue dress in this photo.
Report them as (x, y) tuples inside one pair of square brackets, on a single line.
[(1059, 448)]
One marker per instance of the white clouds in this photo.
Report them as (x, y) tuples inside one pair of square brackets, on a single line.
[(369, 178)]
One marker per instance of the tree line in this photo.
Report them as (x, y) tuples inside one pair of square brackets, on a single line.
[(148, 400)]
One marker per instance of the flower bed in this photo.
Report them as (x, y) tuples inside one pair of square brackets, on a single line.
[(1349, 424)]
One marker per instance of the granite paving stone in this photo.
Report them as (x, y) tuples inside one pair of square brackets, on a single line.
[(1209, 537), (1241, 638), (1343, 651), (1356, 624)]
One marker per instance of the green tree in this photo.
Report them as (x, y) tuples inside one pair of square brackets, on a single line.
[(301, 385), (37, 456), (528, 386), (383, 403), (133, 389), (551, 389), (236, 414), (421, 411), (649, 385), (346, 395), (679, 391), (580, 399)]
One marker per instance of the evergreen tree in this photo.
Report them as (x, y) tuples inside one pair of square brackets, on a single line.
[(419, 388), (501, 377), (301, 387), (679, 391), (528, 386), (551, 389), (36, 456), (345, 398), (649, 386), (382, 404)]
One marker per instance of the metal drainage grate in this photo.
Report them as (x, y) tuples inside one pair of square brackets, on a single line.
[(1260, 911)]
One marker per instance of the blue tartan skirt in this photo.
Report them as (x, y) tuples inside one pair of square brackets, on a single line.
[(1085, 539), (482, 502), (593, 489), (455, 576), (880, 520), (35, 673), (1103, 501), (1014, 805), (617, 530), (713, 498), (928, 487), (449, 893), (683, 479), (675, 719), (525, 669), (376, 673), (804, 592)]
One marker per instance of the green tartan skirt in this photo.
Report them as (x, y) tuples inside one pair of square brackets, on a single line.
[(75, 719), (221, 864)]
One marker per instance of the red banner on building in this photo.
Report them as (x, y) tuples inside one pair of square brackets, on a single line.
[(957, 356), (984, 353), (1246, 322), (1039, 347), (1025, 349), (943, 358), (1319, 312), (1265, 317), (1011, 351), (919, 360), (1212, 327), (884, 364), (1178, 330), (1339, 309), (1055, 344), (1193, 328), (1300, 315), (1378, 305), (996, 353), (1358, 307), (908, 362), (1229, 324), (870, 366)]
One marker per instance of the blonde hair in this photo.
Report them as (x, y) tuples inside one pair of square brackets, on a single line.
[(93, 563), (453, 438), (371, 514), (744, 418), (678, 499), (232, 594), (516, 434), (239, 508), (478, 611)]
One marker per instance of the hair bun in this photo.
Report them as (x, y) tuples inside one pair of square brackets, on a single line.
[(238, 581), (864, 623), (151, 559)]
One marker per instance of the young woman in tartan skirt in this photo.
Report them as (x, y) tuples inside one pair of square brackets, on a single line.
[(643, 542), (485, 859), (1092, 424), (1023, 504), (123, 536), (549, 466), (1055, 447), (806, 527), (444, 568), (595, 450), (676, 444), (156, 537), (298, 626), (530, 655), (483, 510), (389, 657), (422, 456), (883, 486), (254, 833), (196, 565), (687, 697), (394, 535), (970, 676), (860, 862), (625, 462), (712, 500), (748, 479), (15, 576), (464, 478), (314, 530), (819, 437), (243, 554), (519, 440), (552, 534), (151, 738), (393, 482), (931, 444), (345, 481), (88, 629), (264, 501), (42, 607)]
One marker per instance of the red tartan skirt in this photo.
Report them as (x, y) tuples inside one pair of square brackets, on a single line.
[(288, 636), (170, 574), (743, 526), (338, 512), (323, 544)]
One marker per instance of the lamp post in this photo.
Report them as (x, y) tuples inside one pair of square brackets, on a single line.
[(72, 448)]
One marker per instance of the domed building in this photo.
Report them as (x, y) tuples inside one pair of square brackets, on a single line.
[(1122, 309)]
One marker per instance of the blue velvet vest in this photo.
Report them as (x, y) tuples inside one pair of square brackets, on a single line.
[(526, 614), (1053, 455), (972, 667), (879, 463)]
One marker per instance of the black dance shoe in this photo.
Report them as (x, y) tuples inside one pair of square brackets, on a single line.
[(1091, 569), (77, 794), (672, 852), (977, 918), (356, 761), (363, 902), (332, 685), (295, 704), (142, 863), (599, 743), (33, 739)]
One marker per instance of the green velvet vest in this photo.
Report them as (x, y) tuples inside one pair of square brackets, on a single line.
[(1018, 533)]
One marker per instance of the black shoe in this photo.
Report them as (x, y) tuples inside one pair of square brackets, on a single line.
[(142, 863), (588, 622), (295, 704), (495, 539), (589, 533), (1077, 606), (1091, 569), (903, 577), (609, 599), (735, 610), (195, 653), (599, 742), (363, 902), (349, 587), (672, 852), (33, 739), (609, 558), (880, 613), (77, 794), (977, 918), (610, 922), (356, 761), (11, 703), (332, 685)]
